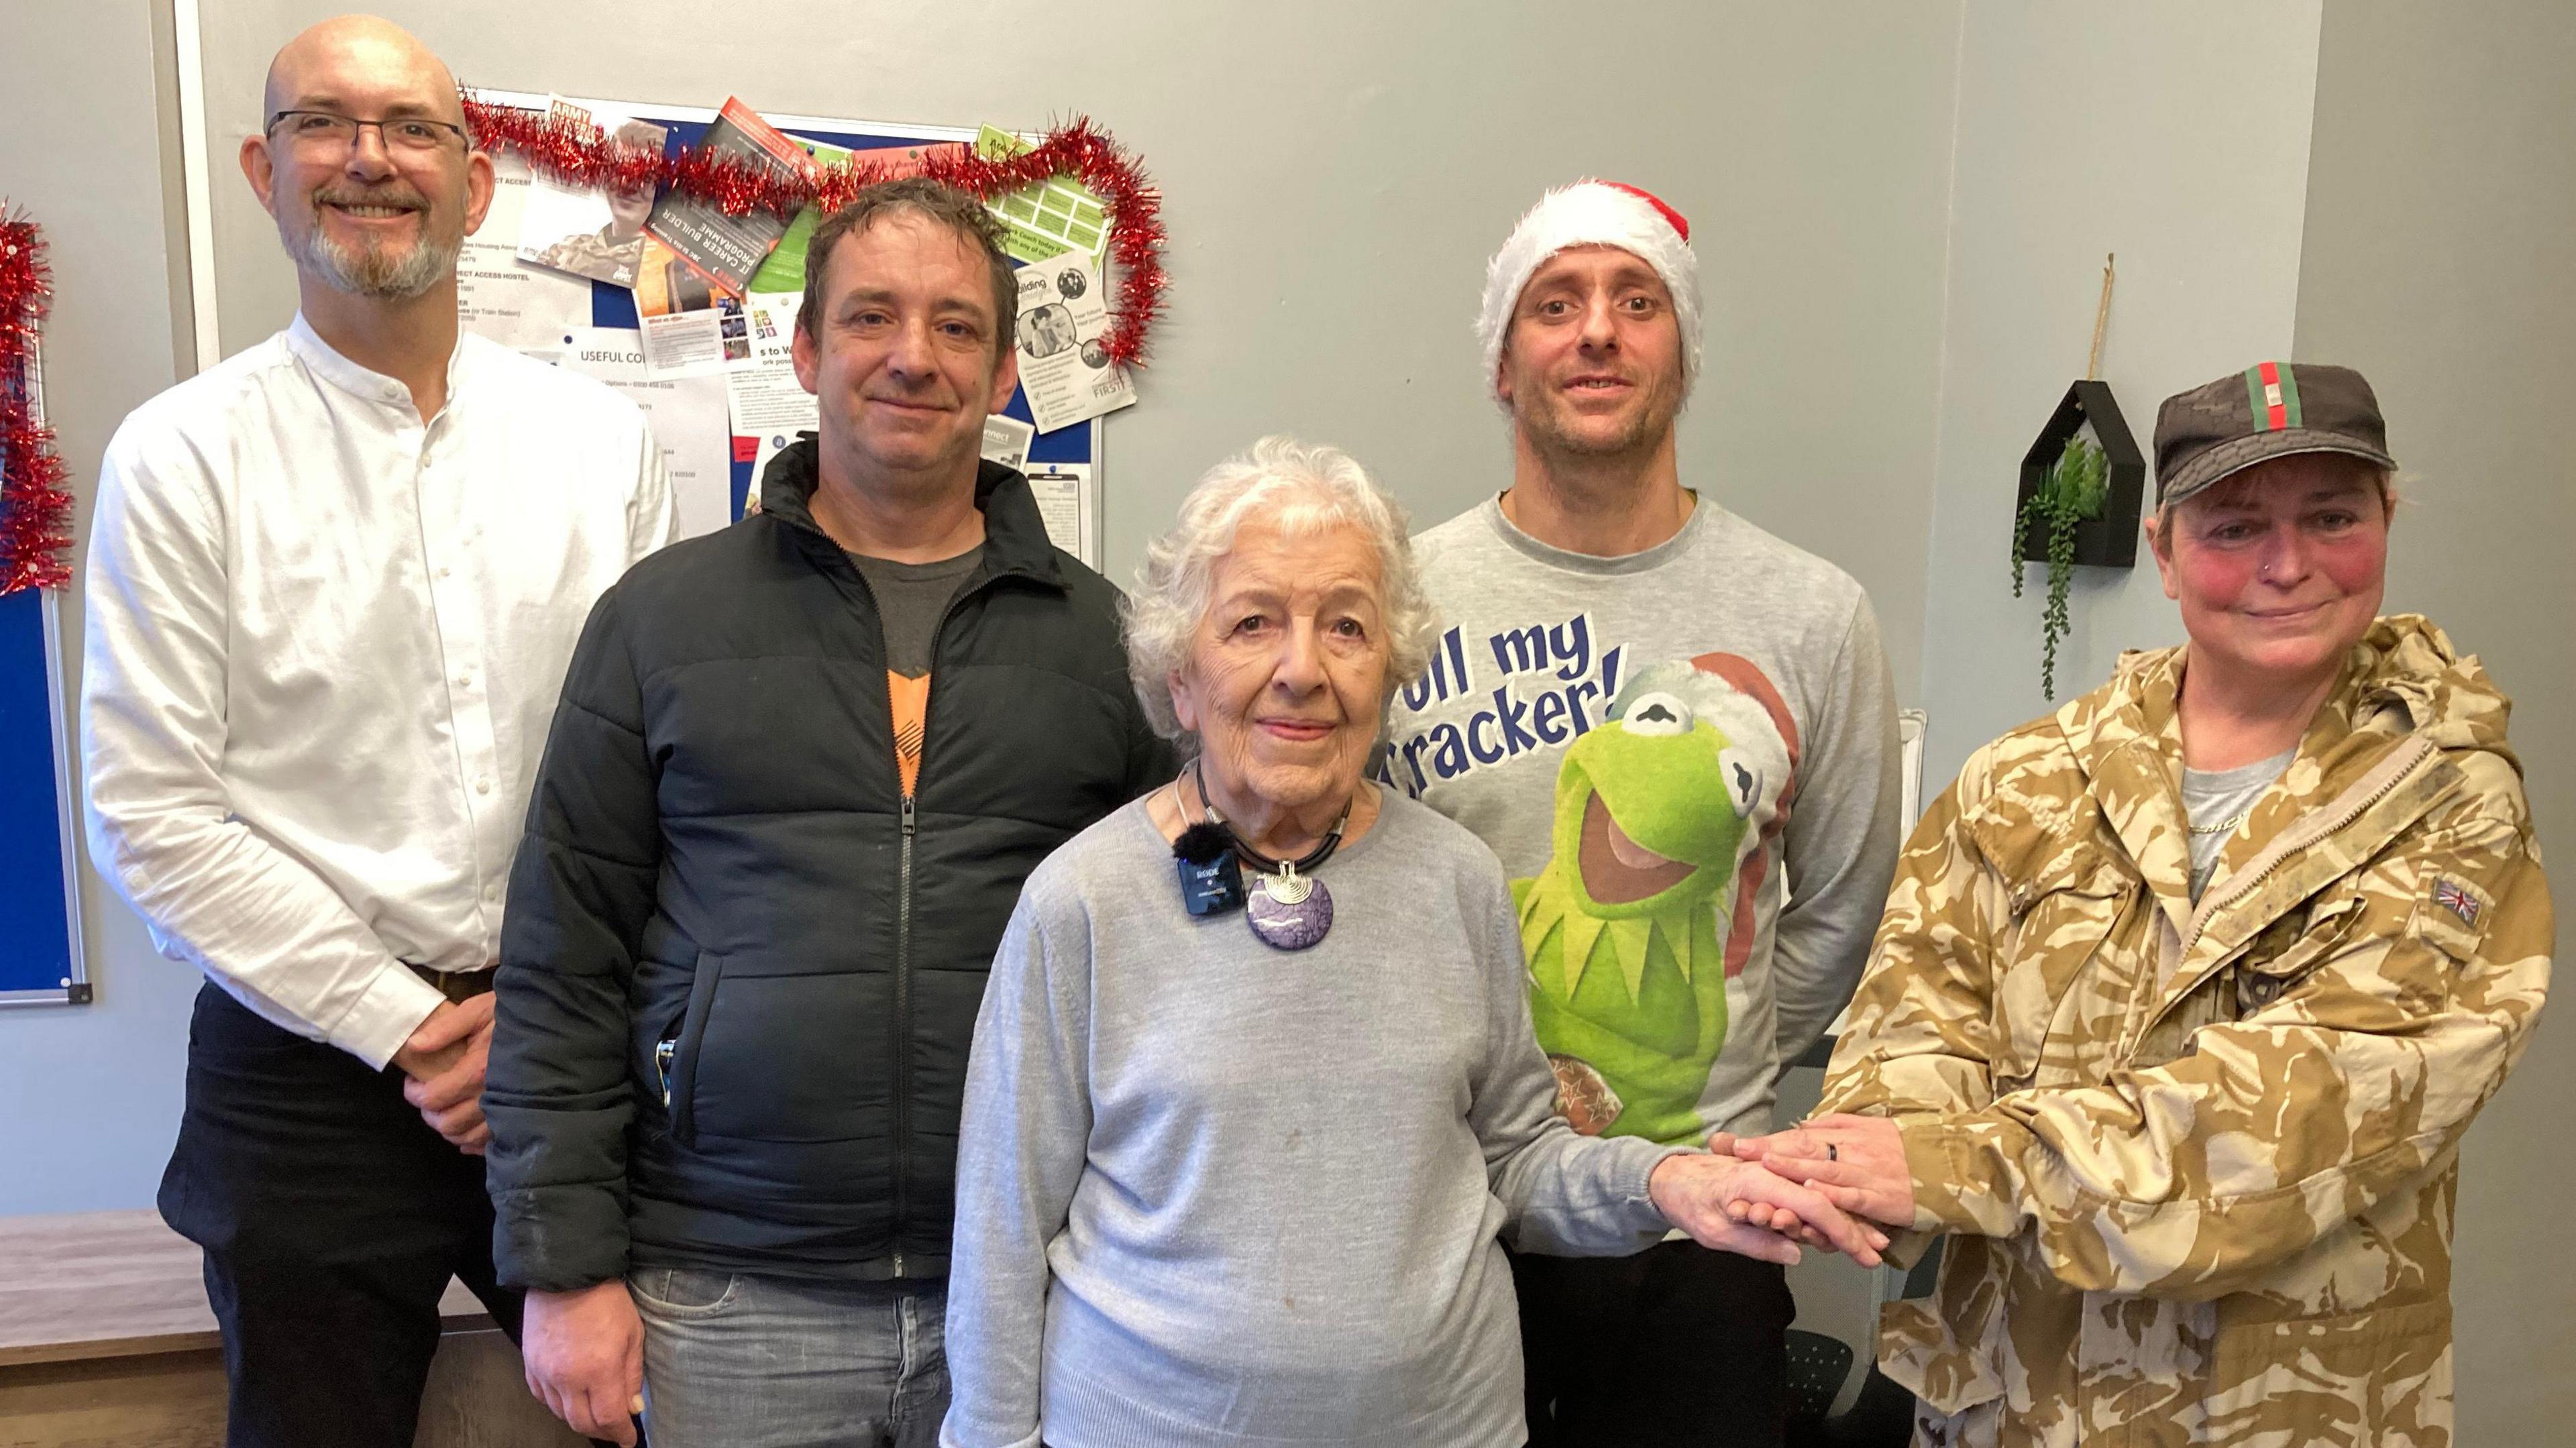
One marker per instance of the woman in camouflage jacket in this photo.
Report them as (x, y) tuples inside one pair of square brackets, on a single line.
[(2196, 1151)]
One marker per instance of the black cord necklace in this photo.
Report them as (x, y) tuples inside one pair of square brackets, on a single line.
[(1287, 908)]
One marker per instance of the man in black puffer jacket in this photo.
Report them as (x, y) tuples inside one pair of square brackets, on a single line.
[(800, 769)]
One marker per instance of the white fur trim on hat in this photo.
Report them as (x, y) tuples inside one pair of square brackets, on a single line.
[(1591, 212)]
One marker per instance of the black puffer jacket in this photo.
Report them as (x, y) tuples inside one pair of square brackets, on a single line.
[(719, 853)]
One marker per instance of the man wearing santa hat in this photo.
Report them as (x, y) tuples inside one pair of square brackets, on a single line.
[(1699, 883)]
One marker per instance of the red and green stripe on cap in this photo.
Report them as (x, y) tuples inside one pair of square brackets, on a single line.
[(2273, 390)]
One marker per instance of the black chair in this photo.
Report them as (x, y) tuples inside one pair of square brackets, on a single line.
[(1881, 1414), (1818, 1367)]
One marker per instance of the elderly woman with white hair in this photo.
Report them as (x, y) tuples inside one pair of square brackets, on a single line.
[(1236, 1157)]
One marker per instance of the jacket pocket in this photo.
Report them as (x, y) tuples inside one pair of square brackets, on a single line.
[(1916, 1350), (2288, 950), (683, 1082), (2452, 916), (2063, 922), (2389, 1367), (1947, 1349), (790, 1058)]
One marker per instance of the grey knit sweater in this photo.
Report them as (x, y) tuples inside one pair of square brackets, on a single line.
[(1209, 1192)]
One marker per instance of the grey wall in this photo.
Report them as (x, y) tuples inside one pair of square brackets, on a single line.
[(2439, 261), (93, 1091), (2176, 135), (1335, 174)]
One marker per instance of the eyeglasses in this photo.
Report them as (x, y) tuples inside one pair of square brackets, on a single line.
[(326, 131)]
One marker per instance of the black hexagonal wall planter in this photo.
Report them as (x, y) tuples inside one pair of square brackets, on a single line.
[(2110, 540)]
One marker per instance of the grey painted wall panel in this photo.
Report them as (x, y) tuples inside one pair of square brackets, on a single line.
[(2177, 136), (2440, 252), (93, 1091)]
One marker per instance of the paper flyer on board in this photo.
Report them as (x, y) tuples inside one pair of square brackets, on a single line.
[(1006, 441), (665, 284), (1063, 315), (768, 445), (760, 386), (728, 250), (687, 416), (1069, 504), (590, 232), (698, 343), (503, 298), (1046, 220)]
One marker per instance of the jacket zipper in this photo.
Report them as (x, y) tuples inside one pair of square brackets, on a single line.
[(903, 998), (901, 1053), (903, 937), (2314, 828), (2381, 782), (903, 901)]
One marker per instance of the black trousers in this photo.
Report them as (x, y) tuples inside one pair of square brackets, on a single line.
[(331, 1216), (1675, 1345)]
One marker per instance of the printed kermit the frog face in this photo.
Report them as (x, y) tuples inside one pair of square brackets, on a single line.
[(1651, 807), (1632, 924)]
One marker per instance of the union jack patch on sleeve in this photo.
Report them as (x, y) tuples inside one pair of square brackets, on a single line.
[(2456, 898)]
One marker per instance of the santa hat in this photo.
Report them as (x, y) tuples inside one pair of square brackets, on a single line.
[(1586, 213)]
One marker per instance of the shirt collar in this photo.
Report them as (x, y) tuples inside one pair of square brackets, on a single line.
[(360, 382), (1704, 516)]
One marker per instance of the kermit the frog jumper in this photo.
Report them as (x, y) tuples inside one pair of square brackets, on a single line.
[(1687, 760)]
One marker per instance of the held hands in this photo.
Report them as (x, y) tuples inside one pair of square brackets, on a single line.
[(445, 1058), (584, 1354), (1741, 1207), (1856, 1162)]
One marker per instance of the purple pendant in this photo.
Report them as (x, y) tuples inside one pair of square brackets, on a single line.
[(1288, 910)]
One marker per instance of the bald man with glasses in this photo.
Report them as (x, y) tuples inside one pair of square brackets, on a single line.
[(334, 583)]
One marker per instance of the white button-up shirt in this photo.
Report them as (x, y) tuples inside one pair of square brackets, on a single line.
[(325, 641)]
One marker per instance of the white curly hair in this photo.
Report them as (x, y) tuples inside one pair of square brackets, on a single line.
[(1302, 490)]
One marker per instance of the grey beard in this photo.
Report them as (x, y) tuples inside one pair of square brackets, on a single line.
[(369, 274)]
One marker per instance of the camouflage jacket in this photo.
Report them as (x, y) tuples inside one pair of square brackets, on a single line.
[(2197, 1164)]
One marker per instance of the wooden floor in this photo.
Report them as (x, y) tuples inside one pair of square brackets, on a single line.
[(106, 1342)]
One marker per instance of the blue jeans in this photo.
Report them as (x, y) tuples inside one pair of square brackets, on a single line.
[(732, 1361)]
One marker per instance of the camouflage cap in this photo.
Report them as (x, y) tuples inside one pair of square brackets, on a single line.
[(2269, 410)]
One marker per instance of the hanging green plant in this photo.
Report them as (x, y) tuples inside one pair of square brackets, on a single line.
[(2071, 494)]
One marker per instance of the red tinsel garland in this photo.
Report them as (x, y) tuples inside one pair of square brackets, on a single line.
[(563, 150), (35, 511)]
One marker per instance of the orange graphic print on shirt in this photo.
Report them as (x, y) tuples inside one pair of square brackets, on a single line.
[(911, 700)]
